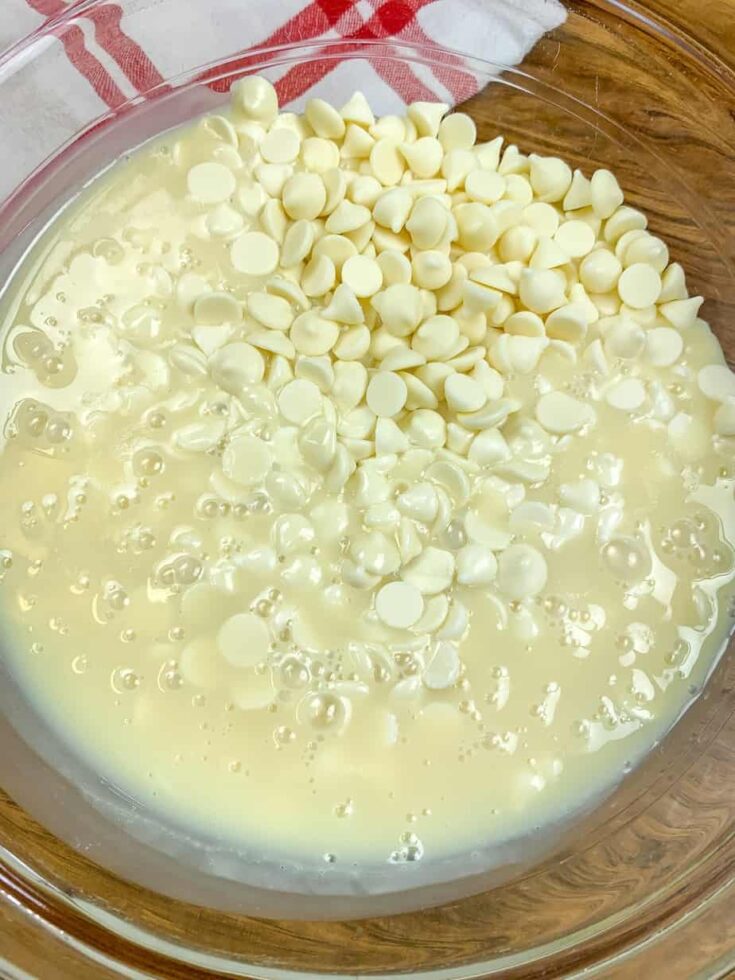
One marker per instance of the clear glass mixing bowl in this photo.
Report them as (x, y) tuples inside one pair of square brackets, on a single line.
[(644, 884)]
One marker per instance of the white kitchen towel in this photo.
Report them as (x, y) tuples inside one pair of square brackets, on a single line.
[(97, 56)]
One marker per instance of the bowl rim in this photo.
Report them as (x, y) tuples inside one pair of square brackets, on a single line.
[(11, 869)]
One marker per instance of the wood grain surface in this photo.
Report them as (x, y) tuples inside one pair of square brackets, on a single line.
[(658, 107)]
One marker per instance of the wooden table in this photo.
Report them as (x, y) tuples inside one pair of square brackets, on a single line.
[(40, 947)]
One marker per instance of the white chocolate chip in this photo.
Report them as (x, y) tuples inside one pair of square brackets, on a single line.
[(304, 196), (488, 448), (550, 177), (353, 344), (579, 194), (299, 401), (281, 145), (389, 439), (347, 217), (600, 270), (395, 267), (427, 428), (357, 110), (319, 276), (725, 418), (673, 284), (716, 382), (243, 640), (681, 312), (317, 369), (313, 334), (605, 193), (210, 182), (344, 307), (246, 460), (213, 308), (434, 614), (430, 572), (647, 249), (375, 552), (255, 254), (436, 337), (443, 667), (387, 162), (639, 285), (273, 176), (427, 222), (199, 437), (386, 394), (457, 131), (624, 338), (689, 436), (424, 156), (548, 255), (236, 365), (576, 238), (476, 566), (427, 116), (274, 341), (522, 571), (350, 383), (664, 346), (627, 395), (297, 243), (464, 394), (400, 308), (431, 269), (477, 226), (272, 311), (419, 502), (324, 119), (188, 360), (400, 358), (541, 290), (560, 413), (362, 275), (568, 322), (357, 143), (624, 219), (392, 208), (399, 605), (319, 155), (224, 221), (583, 496), (255, 98)]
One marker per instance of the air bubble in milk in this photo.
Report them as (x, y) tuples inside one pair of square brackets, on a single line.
[(345, 809), (187, 569), (283, 735), (147, 463), (325, 712), (125, 679), (627, 559), (294, 673), (411, 849), (35, 422), (116, 596)]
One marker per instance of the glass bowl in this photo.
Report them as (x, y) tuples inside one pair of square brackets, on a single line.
[(643, 883)]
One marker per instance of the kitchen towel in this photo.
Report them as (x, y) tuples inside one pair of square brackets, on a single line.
[(97, 56)]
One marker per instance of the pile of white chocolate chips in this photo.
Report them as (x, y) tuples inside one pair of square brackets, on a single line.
[(375, 391), (400, 274)]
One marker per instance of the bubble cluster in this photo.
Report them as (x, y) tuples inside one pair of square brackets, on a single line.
[(627, 559)]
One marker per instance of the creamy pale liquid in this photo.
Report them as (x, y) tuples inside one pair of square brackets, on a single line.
[(193, 595)]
